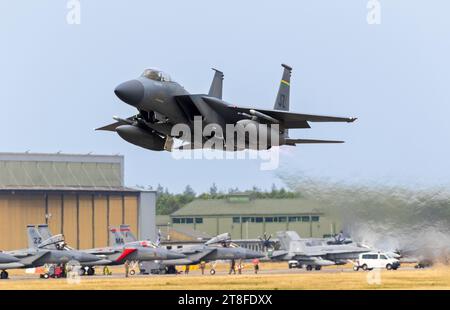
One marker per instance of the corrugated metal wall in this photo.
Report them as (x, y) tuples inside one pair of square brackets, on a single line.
[(82, 218)]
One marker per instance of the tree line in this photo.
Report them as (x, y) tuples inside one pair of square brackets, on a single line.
[(168, 202)]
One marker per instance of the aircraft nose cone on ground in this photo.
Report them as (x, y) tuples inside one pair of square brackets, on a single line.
[(131, 92), (249, 254)]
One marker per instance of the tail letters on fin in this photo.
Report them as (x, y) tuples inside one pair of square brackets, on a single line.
[(127, 234), (282, 101), (115, 237), (34, 238)]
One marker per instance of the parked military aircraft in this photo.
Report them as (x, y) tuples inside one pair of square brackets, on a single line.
[(118, 254), (162, 104), (217, 248), (41, 252), (314, 253)]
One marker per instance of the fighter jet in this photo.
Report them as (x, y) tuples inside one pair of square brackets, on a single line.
[(314, 253), (217, 248), (118, 253), (163, 105), (41, 252)]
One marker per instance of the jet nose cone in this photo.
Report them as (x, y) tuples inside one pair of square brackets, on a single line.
[(131, 92)]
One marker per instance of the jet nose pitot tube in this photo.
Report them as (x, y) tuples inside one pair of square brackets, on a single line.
[(131, 92)]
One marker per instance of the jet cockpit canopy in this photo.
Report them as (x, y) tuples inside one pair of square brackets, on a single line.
[(156, 75)]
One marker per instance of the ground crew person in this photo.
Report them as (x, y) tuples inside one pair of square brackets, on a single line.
[(256, 265), (127, 268), (202, 267), (240, 266), (232, 267)]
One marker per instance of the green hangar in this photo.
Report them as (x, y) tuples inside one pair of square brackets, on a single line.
[(248, 218)]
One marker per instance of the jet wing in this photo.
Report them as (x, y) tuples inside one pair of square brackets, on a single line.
[(328, 252), (193, 257), (20, 253), (177, 262), (197, 257), (102, 251), (30, 260), (4, 266), (295, 120)]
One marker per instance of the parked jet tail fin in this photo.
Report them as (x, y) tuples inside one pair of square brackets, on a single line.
[(217, 85), (115, 237), (307, 141), (282, 101), (286, 238), (44, 231), (128, 236), (34, 238)]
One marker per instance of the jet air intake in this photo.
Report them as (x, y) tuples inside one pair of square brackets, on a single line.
[(141, 137)]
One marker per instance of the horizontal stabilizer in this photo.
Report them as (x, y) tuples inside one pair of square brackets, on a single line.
[(295, 120), (306, 141)]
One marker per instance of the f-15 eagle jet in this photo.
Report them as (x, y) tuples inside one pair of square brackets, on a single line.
[(118, 253), (166, 111), (315, 253), (218, 248), (43, 251)]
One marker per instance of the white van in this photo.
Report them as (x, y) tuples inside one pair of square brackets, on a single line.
[(369, 261)]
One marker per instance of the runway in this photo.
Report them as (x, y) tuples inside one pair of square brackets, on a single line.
[(118, 274)]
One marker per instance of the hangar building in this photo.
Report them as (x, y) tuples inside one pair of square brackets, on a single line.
[(247, 218), (79, 196)]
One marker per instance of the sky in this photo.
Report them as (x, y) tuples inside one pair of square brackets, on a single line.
[(57, 81)]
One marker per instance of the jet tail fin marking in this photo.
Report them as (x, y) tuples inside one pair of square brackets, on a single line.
[(34, 238), (282, 101), (44, 231), (115, 237), (128, 236), (217, 85)]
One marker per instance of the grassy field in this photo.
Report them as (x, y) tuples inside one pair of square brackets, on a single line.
[(434, 278)]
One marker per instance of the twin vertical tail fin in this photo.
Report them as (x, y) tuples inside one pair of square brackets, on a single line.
[(44, 231), (115, 237), (34, 238), (217, 85), (127, 234), (121, 236)]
